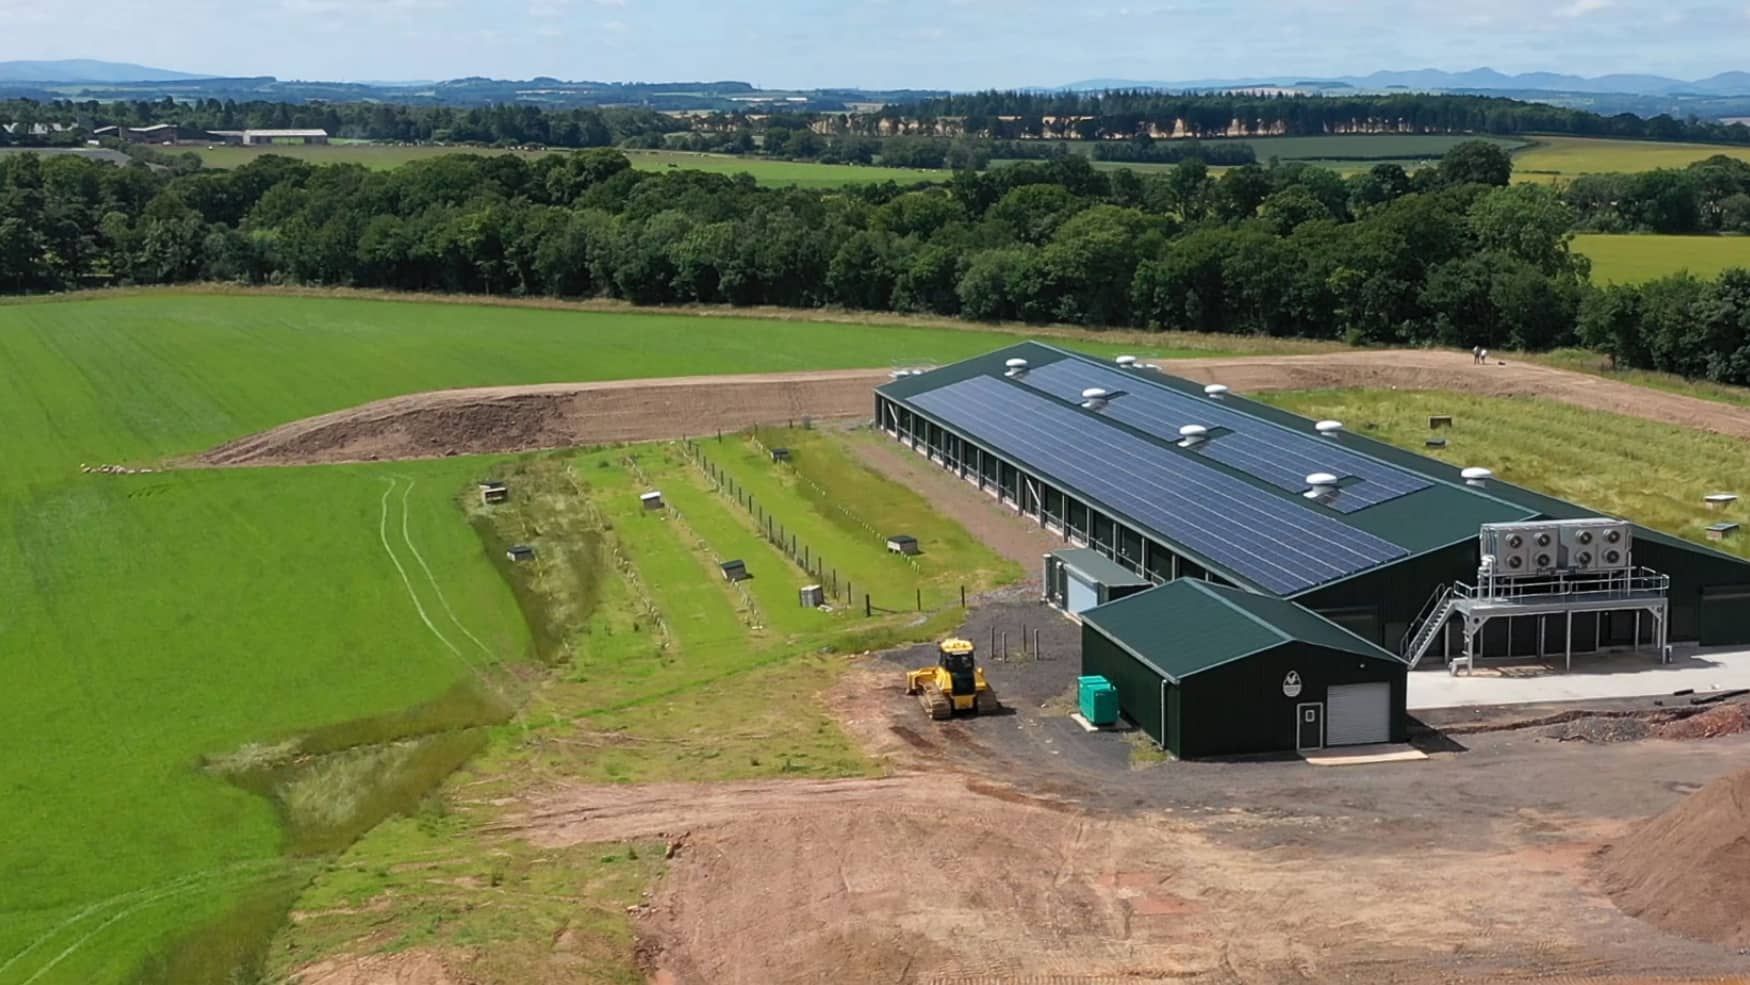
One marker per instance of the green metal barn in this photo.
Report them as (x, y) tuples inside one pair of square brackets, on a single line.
[(1326, 535), (1208, 670)]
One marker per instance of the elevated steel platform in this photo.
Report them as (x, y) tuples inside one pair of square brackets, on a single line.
[(1471, 608)]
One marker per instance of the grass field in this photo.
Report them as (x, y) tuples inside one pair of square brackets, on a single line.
[(1587, 361), (277, 625), (672, 674), (1595, 459), (1553, 158), (382, 157), (1635, 258)]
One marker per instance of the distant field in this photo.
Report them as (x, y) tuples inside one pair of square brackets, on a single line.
[(383, 157), (1555, 157), (1635, 258)]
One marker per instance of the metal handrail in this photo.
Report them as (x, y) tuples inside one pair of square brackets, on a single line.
[(1617, 584), (1436, 599)]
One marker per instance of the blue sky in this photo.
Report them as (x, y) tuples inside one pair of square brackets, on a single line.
[(957, 44)]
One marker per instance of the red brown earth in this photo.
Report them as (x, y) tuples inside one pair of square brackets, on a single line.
[(560, 415)]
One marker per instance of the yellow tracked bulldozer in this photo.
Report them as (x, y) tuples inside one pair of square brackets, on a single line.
[(955, 684)]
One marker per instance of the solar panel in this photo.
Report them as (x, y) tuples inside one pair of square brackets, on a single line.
[(1275, 454), (1277, 545)]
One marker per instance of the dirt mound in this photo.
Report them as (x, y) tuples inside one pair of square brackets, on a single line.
[(1687, 871), (508, 419), (1731, 719)]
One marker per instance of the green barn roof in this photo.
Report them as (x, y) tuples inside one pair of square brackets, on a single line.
[(1189, 626), (1099, 567)]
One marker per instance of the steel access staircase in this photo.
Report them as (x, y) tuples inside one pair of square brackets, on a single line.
[(1429, 625)]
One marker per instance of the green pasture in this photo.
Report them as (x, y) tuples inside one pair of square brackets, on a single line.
[(1631, 259), (182, 642), (383, 157), (1595, 459), (132, 378), (163, 621), (1553, 158)]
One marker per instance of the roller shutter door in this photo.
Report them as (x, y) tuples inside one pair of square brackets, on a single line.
[(1082, 596), (1358, 714)]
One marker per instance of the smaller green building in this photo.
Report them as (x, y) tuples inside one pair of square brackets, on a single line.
[(1209, 670), (1079, 578)]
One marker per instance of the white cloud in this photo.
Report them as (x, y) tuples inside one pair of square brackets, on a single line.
[(1580, 8)]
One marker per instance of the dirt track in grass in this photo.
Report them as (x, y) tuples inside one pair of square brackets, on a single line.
[(559, 415)]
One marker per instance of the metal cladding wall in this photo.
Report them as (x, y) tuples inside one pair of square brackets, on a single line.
[(1241, 707), (1700, 578), (1238, 708), (1139, 686), (1378, 605)]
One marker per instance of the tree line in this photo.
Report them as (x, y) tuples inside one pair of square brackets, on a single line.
[(501, 124), (1120, 115), (1709, 196), (1449, 255)]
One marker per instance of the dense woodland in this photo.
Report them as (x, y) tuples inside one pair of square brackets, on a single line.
[(1090, 116), (1450, 255)]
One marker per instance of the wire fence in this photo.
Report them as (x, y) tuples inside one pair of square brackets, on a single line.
[(835, 584)]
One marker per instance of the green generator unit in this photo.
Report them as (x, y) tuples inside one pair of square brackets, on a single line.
[(1098, 700)]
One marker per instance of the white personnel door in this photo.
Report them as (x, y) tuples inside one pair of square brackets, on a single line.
[(1082, 596), (1357, 714)]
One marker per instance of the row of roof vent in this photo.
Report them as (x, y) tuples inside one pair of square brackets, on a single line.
[(1322, 486)]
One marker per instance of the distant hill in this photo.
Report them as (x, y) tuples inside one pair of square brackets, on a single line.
[(1474, 80), (87, 70)]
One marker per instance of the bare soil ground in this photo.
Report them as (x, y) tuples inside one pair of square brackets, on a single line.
[(526, 418), (556, 415), (1433, 369), (1018, 850), (417, 967)]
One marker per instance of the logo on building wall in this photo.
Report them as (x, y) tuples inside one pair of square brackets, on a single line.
[(1291, 685)]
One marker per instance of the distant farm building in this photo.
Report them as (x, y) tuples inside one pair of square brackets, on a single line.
[(250, 138), (158, 133)]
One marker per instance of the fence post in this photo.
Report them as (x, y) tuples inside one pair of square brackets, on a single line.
[(963, 596), (920, 600), (868, 610), (1005, 646), (1036, 653), (993, 643)]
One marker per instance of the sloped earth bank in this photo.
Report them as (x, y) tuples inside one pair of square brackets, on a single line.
[(561, 415), (487, 420)]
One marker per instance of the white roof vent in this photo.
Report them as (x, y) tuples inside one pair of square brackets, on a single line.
[(1329, 429), (1015, 367), (1477, 476), (1192, 435), (1094, 397), (1215, 391), (1321, 486), (1126, 361)]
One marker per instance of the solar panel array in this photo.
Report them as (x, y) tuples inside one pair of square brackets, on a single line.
[(1276, 544), (1274, 454)]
